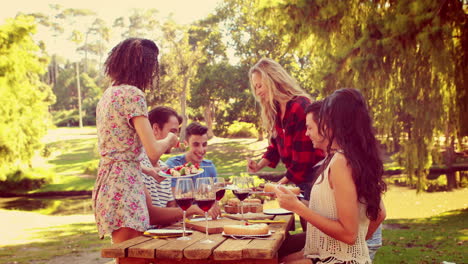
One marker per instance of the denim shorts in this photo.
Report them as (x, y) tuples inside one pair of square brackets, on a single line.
[(375, 242)]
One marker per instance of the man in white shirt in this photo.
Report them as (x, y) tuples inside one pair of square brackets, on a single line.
[(163, 120)]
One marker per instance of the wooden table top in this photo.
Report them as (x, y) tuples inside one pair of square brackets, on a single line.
[(224, 250)]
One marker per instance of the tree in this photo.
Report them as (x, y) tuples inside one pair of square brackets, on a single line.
[(24, 98), (207, 87), (181, 60), (141, 23), (408, 57)]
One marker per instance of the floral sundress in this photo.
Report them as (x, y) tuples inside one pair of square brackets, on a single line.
[(118, 195)]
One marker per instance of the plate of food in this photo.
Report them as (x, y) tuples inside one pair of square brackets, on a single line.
[(276, 211), (186, 170)]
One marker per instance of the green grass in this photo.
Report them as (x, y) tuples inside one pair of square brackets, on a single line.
[(55, 241), (426, 240)]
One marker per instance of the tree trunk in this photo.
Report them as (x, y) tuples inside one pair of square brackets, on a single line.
[(183, 109), (208, 115), (449, 160)]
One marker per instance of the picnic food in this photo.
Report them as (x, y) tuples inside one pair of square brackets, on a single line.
[(185, 169), (250, 206), (270, 187), (246, 229)]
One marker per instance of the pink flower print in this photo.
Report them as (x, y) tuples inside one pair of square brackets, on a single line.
[(119, 222), (136, 151), (136, 98), (114, 125), (117, 196), (130, 141), (118, 170), (103, 212), (131, 179), (142, 218), (134, 206)]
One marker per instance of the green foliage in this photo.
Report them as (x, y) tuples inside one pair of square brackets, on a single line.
[(23, 180), (24, 98), (238, 129), (66, 118), (407, 57), (66, 91)]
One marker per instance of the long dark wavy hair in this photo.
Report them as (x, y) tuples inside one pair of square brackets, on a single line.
[(134, 61), (344, 117)]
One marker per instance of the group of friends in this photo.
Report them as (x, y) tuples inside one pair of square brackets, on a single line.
[(328, 147)]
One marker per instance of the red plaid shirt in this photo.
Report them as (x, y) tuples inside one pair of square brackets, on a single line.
[(291, 145)]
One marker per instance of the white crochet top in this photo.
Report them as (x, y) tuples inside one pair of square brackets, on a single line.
[(318, 244)]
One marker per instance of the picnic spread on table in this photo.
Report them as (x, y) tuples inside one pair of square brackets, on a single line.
[(248, 234)]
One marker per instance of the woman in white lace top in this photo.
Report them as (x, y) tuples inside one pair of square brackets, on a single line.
[(346, 202)]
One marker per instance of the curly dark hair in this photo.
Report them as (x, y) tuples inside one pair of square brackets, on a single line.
[(134, 61), (344, 117)]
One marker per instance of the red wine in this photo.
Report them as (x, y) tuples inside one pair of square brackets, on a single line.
[(241, 195), (205, 204), (184, 203), (220, 194)]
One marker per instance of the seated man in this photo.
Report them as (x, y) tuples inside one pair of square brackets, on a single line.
[(196, 139), (163, 120)]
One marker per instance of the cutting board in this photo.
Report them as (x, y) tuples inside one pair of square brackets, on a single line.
[(249, 216), (214, 226)]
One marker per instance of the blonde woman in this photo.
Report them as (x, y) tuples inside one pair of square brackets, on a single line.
[(283, 103)]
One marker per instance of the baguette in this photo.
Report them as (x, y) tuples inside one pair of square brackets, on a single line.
[(246, 230), (270, 187)]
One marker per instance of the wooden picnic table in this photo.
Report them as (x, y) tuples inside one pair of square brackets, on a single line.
[(224, 250)]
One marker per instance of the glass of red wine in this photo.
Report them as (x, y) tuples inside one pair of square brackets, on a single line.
[(241, 189), (205, 197), (184, 196), (220, 187)]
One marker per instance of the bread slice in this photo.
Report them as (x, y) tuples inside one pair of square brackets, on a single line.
[(246, 230), (270, 187)]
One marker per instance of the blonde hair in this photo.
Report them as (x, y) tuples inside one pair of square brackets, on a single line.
[(282, 87)]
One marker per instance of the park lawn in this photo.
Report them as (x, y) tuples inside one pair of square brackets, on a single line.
[(426, 240), (72, 149), (54, 241)]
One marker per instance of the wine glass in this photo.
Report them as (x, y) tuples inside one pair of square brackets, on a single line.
[(205, 196), (184, 196), (241, 190), (220, 187)]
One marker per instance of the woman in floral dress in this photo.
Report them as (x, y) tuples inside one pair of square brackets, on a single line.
[(119, 200)]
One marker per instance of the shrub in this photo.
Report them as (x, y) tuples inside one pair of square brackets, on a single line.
[(23, 180), (239, 129)]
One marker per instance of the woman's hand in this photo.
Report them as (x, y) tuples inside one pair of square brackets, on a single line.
[(287, 199), (252, 165)]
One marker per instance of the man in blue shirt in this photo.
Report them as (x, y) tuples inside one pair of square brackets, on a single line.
[(196, 139)]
